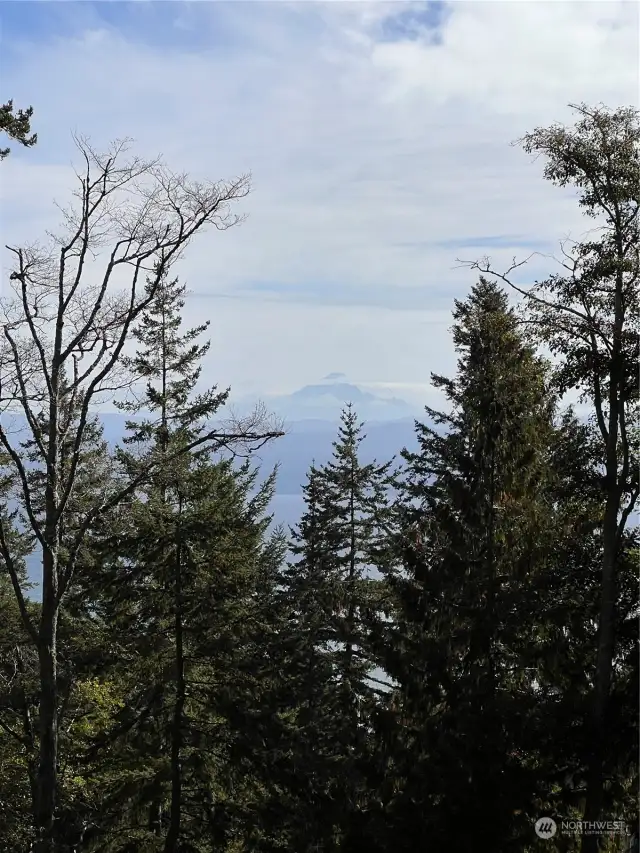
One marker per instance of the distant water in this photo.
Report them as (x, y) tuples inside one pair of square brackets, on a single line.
[(287, 509), (305, 442)]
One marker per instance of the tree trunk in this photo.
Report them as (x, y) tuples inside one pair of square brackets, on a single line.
[(173, 834), (602, 687), (604, 655), (46, 782)]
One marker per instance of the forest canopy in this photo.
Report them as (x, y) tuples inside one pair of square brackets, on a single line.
[(441, 654)]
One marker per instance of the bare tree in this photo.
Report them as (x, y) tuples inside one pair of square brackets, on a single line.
[(588, 315), (64, 326)]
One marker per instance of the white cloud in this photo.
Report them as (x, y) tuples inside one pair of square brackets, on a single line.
[(521, 58), (367, 152), (309, 338)]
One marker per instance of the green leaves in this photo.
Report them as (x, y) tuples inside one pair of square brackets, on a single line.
[(17, 126), (421, 672)]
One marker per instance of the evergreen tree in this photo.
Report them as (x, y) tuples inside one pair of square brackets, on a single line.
[(472, 536), (307, 597), (170, 363), (329, 588), (17, 721), (17, 125), (588, 315), (568, 593), (18, 674), (179, 588)]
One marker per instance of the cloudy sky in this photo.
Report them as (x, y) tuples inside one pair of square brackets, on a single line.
[(378, 136)]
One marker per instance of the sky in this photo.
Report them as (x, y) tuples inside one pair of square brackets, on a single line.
[(378, 136)]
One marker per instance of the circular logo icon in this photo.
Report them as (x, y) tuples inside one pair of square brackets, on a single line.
[(545, 827)]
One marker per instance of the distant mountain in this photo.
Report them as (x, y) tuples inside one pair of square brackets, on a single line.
[(344, 392), (341, 391), (324, 400), (308, 438)]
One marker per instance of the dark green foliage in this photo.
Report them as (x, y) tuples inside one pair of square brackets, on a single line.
[(17, 125), (569, 593), (425, 670), (180, 587), (473, 541), (589, 316), (223, 562), (18, 715), (328, 590)]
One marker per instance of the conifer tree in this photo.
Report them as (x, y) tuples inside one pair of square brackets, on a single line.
[(329, 590), (568, 592), (18, 668), (17, 720), (587, 314), (17, 126), (170, 363), (178, 569), (472, 535), (307, 597)]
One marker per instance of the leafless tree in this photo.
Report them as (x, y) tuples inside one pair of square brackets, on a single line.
[(71, 307)]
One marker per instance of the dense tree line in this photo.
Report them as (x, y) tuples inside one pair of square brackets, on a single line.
[(443, 650)]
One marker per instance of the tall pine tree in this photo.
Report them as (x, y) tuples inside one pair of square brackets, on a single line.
[(329, 588), (179, 578), (472, 535)]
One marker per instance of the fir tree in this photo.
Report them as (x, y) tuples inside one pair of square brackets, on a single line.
[(329, 590), (170, 362), (472, 536), (179, 583), (17, 125), (18, 678), (568, 593)]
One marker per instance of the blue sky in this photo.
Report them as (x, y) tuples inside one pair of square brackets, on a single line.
[(378, 136)]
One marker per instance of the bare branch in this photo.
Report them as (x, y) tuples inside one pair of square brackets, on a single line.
[(215, 441), (484, 266), (150, 214), (65, 323)]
